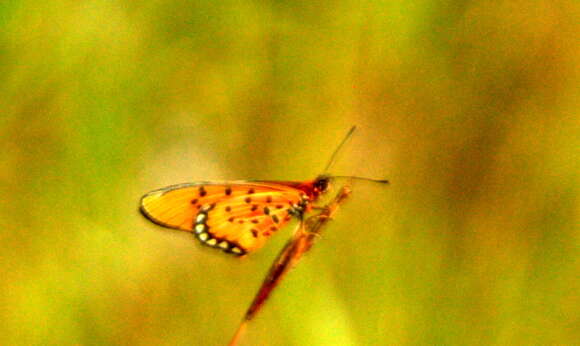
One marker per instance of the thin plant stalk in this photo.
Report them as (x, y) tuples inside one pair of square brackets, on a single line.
[(302, 241)]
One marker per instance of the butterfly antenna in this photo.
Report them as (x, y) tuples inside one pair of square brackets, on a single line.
[(378, 181), (337, 150)]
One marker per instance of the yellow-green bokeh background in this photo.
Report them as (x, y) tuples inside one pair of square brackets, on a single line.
[(470, 108)]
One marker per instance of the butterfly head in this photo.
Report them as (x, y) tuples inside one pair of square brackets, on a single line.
[(321, 185)]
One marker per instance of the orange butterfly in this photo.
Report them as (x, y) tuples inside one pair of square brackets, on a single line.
[(236, 217)]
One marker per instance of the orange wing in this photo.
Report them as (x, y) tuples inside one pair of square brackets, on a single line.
[(237, 217)]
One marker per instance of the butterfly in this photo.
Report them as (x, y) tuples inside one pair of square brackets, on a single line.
[(237, 217)]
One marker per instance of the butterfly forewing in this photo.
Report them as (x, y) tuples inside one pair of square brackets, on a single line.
[(236, 217)]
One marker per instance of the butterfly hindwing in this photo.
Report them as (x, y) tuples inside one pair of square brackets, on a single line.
[(236, 217)]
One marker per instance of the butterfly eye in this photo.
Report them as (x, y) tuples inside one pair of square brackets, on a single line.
[(321, 184)]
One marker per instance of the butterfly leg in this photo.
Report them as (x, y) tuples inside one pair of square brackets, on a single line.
[(314, 223), (324, 212), (319, 207)]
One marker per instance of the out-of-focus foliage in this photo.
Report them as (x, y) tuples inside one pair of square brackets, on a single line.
[(470, 108)]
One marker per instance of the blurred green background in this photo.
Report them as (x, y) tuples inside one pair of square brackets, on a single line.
[(470, 108)]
